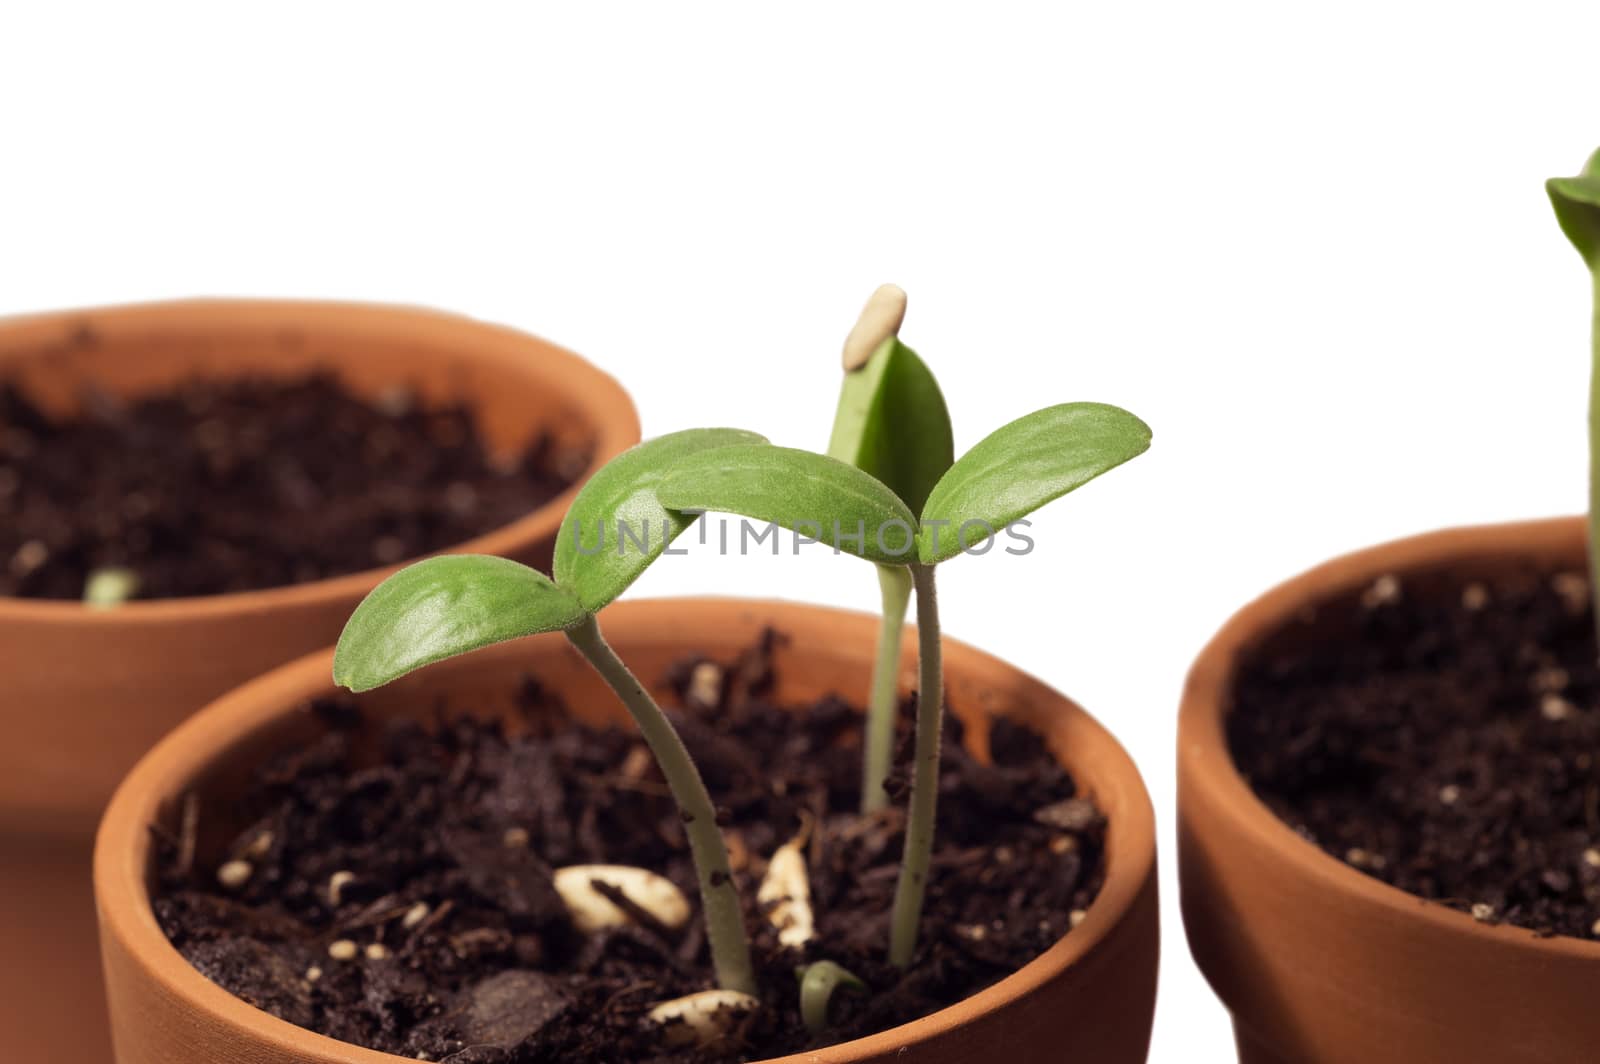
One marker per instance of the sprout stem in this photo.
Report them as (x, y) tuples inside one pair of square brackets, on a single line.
[(913, 883), (1594, 459), (818, 981), (725, 930), (894, 582)]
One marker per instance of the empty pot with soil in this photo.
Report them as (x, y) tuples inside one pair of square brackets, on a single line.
[(397, 868), (192, 493), (1388, 771)]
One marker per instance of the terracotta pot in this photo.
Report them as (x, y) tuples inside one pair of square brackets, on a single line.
[(1319, 963), (87, 692), (1089, 997)]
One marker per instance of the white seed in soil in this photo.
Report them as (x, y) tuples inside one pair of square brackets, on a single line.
[(1077, 916), (705, 684), (785, 893), (1474, 597), (1483, 912), (261, 845), (592, 911), (701, 1019), (1591, 857), (29, 557), (880, 319), (1061, 844), (1449, 794), (336, 884), (415, 915), (342, 950), (1554, 708), (377, 951), (515, 838), (313, 973), (235, 874), (1384, 591), (1594, 929), (1573, 588)]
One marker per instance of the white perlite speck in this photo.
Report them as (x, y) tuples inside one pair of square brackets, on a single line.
[(336, 884), (1483, 912), (1554, 708), (1384, 591), (235, 874), (342, 950)]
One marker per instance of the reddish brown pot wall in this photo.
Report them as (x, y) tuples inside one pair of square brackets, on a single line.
[(1089, 998), (87, 692), (1320, 964)]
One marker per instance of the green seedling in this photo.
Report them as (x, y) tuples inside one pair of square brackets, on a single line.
[(616, 528), (110, 587), (1012, 472), (818, 983), (892, 423), (1577, 204)]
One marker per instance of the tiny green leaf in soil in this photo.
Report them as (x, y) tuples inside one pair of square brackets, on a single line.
[(820, 497), (819, 981), (442, 607), (616, 527), (1022, 466)]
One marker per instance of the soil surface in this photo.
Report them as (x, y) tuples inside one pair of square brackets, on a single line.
[(232, 486), (1444, 738), (450, 838)]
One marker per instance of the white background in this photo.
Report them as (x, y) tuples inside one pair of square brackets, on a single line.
[(1307, 242)]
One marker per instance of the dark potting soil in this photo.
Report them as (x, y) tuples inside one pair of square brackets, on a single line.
[(1443, 736), (222, 486), (449, 841)]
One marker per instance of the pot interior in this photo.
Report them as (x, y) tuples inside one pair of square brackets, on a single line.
[(142, 350)]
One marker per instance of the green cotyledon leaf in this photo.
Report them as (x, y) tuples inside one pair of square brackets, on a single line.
[(892, 422), (821, 497), (1021, 466), (617, 527), (444, 606)]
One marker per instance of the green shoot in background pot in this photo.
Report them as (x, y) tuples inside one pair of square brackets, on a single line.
[(450, 605), (1577, 204), (1012, 472)]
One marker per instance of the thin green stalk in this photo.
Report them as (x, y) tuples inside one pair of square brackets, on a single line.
[(894, 582), (725, 930), (913, 883), (1594, 460)]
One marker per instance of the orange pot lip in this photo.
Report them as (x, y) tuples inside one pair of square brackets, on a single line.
[(1205, 765), (605, 405), (126, 914)]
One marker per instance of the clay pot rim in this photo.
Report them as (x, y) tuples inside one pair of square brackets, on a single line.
[(1206, 762), (126, 914), (605, 406)]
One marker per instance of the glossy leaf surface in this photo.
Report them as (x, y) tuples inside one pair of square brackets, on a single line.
[(892, 422), (820, 497), (442, 607), (1020, 467), (617, 527)]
